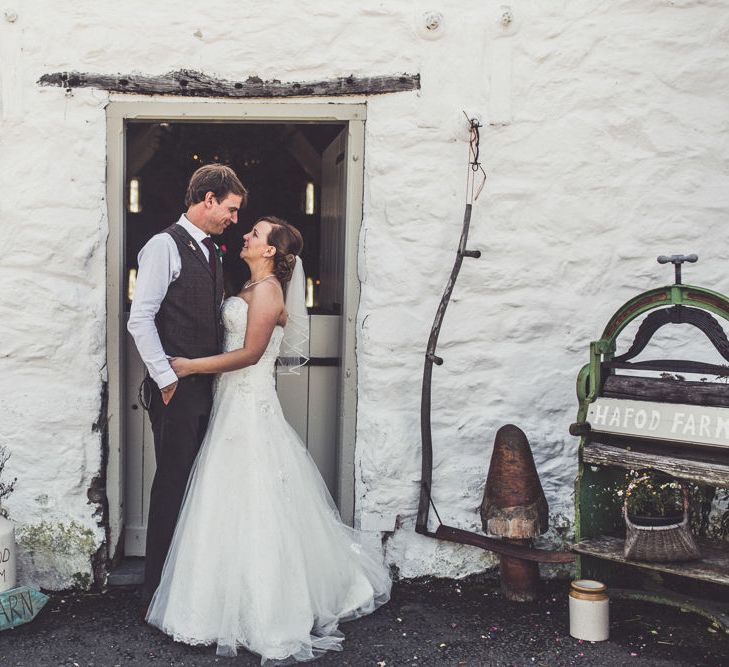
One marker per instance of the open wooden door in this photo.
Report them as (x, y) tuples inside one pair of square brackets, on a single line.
[(311, 400)]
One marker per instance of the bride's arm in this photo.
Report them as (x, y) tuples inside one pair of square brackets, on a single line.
[(264, 310)]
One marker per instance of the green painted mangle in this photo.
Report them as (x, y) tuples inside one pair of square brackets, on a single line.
[(645, 415)]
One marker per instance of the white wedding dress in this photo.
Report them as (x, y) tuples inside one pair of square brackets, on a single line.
[(260, 558)]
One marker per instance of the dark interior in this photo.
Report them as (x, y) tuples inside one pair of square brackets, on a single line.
[(275, 161)]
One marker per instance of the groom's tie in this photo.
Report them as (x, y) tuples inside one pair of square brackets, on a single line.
[(208, 243)]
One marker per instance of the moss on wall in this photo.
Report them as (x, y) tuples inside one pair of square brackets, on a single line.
[(56, 556), (70, 538)]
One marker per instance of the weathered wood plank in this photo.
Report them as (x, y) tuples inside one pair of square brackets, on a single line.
[(20, 605), (705, 470), (661, 389), (672, 366), (189, 83), (713, 566)]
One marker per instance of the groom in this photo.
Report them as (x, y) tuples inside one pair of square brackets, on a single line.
[(176, 313)]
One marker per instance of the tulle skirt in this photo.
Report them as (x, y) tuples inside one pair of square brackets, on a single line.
[(260, 558)]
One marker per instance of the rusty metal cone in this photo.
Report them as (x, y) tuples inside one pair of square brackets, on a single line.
[(513, 505)]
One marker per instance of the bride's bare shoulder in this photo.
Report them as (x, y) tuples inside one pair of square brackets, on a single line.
[(267, 291), (270, 286)]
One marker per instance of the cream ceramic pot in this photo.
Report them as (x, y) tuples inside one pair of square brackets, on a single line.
[(589, 610)]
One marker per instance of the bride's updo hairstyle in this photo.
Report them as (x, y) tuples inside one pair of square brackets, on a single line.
[(288, 243)]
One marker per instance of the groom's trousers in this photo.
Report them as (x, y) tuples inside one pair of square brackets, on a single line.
[(178, 429)]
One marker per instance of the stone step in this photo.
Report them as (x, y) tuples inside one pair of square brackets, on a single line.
[(130, 572)]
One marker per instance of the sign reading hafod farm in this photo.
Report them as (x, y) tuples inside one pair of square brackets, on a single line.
[(696, 424)]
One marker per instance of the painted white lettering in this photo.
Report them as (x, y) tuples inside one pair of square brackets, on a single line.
[(641, 418), (601, 413), (627, 416), (722, 425), (689, 428), (615, 419), (655, 420), (704, 426), (677, 421)]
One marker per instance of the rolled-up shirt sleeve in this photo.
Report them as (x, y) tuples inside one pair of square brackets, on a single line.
[(159, 266)]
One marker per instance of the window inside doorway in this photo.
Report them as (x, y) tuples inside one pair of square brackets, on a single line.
[(279, 163)]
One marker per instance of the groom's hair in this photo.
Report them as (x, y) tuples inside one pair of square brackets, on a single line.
[(215, 178)]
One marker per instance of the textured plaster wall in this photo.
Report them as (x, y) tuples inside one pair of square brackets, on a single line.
[(605, 140)]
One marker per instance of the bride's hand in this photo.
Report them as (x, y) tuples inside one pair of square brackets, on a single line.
[(182, 366)]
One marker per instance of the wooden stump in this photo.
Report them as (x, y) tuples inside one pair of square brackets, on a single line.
[(519, 577)]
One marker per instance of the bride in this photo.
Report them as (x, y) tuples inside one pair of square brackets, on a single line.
[(260, 558)]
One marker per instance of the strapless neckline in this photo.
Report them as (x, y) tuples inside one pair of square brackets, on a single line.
[(240, 298)]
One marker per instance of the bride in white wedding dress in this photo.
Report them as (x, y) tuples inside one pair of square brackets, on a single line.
[(260, 558)]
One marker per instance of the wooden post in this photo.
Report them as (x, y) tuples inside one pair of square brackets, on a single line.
[(519, 577)]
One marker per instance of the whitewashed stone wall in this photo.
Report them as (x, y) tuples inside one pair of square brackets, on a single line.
[(605, 141)]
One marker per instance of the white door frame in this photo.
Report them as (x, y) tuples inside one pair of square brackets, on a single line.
[(117, 112)]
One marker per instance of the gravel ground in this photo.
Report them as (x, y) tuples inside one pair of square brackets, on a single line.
[(427, 622)]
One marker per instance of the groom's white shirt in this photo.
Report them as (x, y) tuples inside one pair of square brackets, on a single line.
[(159, 265)]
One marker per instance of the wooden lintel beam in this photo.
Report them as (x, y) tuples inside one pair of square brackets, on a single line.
[(189, 83)]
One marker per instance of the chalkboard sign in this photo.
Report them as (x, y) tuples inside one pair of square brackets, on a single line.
[(20, 605)]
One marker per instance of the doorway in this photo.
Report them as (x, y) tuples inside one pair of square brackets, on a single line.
[(296, 168)]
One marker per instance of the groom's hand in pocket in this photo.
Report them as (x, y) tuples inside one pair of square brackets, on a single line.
[(167, 392)]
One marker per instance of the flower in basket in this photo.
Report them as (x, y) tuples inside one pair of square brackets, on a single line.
[(656, 519), (652, 495)]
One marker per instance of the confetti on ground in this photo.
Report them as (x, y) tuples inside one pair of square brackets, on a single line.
[(514, 636)]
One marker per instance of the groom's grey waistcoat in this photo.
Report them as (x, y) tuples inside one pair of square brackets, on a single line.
[(188, 321)]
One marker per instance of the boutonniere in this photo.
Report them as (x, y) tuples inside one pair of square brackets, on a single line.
[(221, 250), (191, 245)]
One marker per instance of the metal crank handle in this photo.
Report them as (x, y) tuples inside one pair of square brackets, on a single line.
[(438, 361), (471, 253), (677, 259)]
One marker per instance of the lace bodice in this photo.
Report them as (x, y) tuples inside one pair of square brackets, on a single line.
[(235, 317)]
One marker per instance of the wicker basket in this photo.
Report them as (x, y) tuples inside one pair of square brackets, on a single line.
[(674, 542)]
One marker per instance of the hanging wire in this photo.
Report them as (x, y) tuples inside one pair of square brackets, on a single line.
[(432, 504), (474, 165)]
